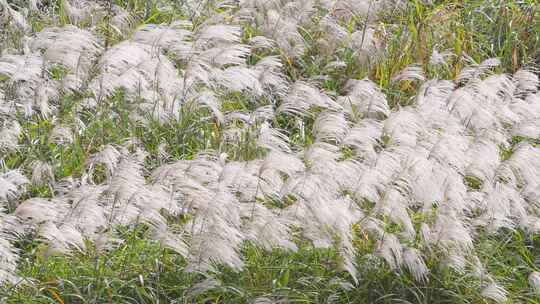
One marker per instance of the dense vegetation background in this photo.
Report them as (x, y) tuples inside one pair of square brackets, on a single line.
[(269, 151)]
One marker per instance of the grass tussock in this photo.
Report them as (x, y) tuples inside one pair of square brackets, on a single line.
[(269, 151)]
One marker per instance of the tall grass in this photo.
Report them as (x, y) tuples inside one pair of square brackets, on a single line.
[(269, 152)]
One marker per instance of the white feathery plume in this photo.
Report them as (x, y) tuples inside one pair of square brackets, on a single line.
[(335, 65), (62, 238), (156, 81), (449, 231), (526, 81), (324, 220), (265, 228), (22, 67), (323, 162), (9, 135), (238, 79), (307, 186), (440, 58), (528, 129), (12, 184), (162, 152), (122, 21), (432, 95), (208, 100), (300, 10), (494, 292), (410, 73), (8, 253), (394, 205), (370, 185), (42, 173), (169, 238), (474, 71), (262, 42), (330, 126), (33, 5), (348, 173), (215, 234), (123, 56), (333, 32), (534, 281), (69, 46), (130, 201), (456, 261), (83, 11), (363, 9), (494, 88), (61, 135), (498, 137), (283, 29), (244, 179), (450, 150), (456, 198), (32, 89), (272, 139), (532, 194), (285, 163), (501, 205), (6, 108), (484, 159), (173, 38), (373, 226), (48, 217), (389, 165), (404, 128), (18, 19), (84, 211), (106, 242), (222, 55), (490, 63), (262, 113), (126, 180), (366, 45), (302, 97), (526, 108), (364, 138), (270, 183), (219, 33), (43, 94), (238, 115), (478, 269), (108, 156), (364, 100), (415, 264), (425, 181), (87, 213), (197, 71), (133, 67), (531, 224), (205, 169), (530, 104), (523, 167), (206, 285), (321, 157), (270, 76), (266, 300), (40, 210), (390, 249), (233, 135)]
